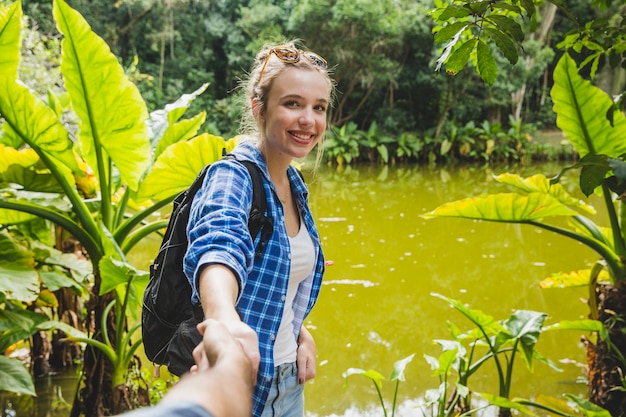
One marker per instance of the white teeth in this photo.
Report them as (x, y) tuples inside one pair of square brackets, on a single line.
[(300, 136)]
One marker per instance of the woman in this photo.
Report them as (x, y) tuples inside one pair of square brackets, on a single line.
[(288, 94)]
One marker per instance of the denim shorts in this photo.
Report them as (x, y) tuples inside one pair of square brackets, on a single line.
[(286, 397)]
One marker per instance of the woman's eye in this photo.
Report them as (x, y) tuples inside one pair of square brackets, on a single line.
[(321, 108), (291, 103)]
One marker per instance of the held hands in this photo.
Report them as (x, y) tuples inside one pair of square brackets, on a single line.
[(207, 354), (222, 380), (219, 289), (305, 357)]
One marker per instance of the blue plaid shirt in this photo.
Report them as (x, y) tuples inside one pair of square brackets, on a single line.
[(218, 233)]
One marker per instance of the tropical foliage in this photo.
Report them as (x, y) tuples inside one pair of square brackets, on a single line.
[(101, 183), (498, 342), (86, 167), (471, 143), (382, 53), (582, 114)]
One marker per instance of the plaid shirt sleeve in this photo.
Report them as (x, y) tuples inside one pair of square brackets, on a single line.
[(218, 223)]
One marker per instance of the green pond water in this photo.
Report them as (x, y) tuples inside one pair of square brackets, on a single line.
[(376, 304)]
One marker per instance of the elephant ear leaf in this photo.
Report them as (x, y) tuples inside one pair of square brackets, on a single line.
[(504, 207), (541, 184), (111, 110), (10, 28), (581, 111), (179, 165), (18, 276), (28, 118), (14, 377)]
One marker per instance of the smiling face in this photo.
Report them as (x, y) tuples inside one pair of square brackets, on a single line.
[(293, 119)]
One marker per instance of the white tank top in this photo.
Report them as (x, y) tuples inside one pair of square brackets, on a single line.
[(302, 263)]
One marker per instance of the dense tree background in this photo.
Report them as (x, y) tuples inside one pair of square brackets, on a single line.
[(382, 51)]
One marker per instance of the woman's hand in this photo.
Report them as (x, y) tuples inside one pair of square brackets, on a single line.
[(306, 356), (221, 380), (241, 333), (219, 289)]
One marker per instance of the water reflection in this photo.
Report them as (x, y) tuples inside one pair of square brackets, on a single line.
[(376, 305)]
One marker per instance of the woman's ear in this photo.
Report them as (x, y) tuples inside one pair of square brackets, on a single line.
[(257, 110)]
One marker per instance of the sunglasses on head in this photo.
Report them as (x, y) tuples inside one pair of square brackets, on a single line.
[(290, 55)]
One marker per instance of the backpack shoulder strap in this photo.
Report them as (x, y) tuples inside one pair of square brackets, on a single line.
[(259, 221), (196, 185)]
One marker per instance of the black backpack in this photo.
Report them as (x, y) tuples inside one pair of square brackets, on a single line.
[(168, 317)]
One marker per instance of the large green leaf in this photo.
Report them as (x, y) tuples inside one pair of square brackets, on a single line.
[(487, 67), (445, 361), (540, 183), (14, 217), (449, 31), (160, 120), (506, 403), (116, 275), (59, 325), (180, 131), (399, 367), (179, 165), (525, 325), (34, 122), (11, 156), (504, 44), (579, 278), (14, 377), (503, 207), (581, 110), (10, 28), (79, 269), (587, 408), (111, 110), (18, 277), (459, 57), (375, 376), (479, 318)]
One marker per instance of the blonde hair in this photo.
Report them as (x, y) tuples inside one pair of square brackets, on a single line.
[(258, 85)]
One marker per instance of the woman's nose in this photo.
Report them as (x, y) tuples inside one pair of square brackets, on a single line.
[(306, 117)]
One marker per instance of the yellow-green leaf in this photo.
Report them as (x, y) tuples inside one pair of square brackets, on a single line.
[(34, 122), (10, 28), (14, 216), (11, 156), (180, 131), (47, 299), (554, 403), (540, 183), (581, 111), (504, 207), (179, 165), (578, 278), (18, 277), (111, 110), (506, 403)]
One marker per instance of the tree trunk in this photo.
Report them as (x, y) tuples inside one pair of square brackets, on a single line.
[(40, 354), (541, 35), (94, 397), (68, 311), (606, 370)]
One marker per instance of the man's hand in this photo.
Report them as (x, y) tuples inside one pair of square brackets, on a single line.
[(206, 356), (221, 380)]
